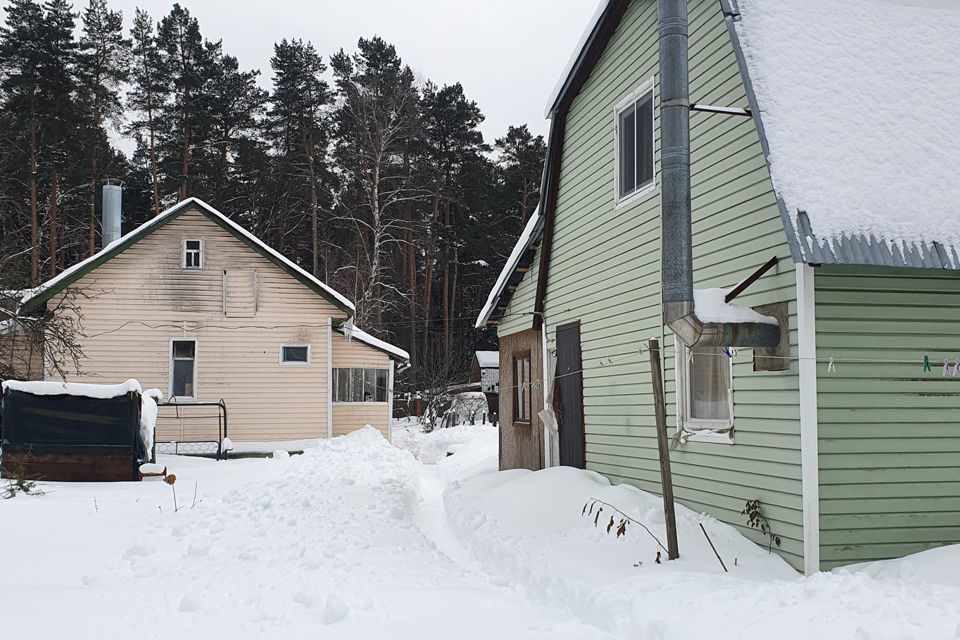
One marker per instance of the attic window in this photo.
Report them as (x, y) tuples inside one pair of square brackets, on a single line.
[(634, 138), (192, 254)]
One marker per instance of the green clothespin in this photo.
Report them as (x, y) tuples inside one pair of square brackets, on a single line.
[(926, 364)]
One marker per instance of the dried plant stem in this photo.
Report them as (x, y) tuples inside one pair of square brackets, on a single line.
[(631, 520), (714, 548)]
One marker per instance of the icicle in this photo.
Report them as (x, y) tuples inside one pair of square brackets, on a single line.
[(832, 366), (926, 364)]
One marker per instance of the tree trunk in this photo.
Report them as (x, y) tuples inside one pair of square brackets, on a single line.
[(34, 217), (411, 260), (92, 237), (453, 290), (312, 177), (431, 258), (54, 185), (153, 165), (446, 281), (185, 152)]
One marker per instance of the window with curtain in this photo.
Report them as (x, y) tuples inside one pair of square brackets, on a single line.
[(707, 382)]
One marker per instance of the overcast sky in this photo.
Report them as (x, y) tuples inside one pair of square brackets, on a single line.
[(507, 54)]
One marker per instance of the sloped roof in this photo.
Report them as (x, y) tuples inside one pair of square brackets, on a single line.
[(48, 289), (488, 359), (858, 102), (355, 333), (519, 260)]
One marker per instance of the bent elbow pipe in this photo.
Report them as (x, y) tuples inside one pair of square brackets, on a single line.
[(677, 219)]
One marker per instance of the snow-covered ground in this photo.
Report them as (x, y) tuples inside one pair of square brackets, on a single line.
[(357, 538)]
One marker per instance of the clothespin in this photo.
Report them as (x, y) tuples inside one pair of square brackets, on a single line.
[(956, 368), (832, 365), (926, 364), (946, 368), (728, 351)]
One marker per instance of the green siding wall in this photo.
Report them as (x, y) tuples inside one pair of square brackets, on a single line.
[(889, 434), (605, 271)]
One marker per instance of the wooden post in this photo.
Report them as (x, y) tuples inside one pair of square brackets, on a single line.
[(663, 444)]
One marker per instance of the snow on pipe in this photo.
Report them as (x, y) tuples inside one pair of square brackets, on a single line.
[(677, 234), (112, 208)]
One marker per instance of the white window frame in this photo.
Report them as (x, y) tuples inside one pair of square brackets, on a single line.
[(361, 403), (183, 255), (646, 189), (699, 430), (196, 369), (294, 363)]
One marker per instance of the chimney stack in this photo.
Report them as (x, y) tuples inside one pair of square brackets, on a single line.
[(112, 198)]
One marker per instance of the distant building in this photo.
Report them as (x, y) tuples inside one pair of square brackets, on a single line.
[(485, 369), (193, 304)]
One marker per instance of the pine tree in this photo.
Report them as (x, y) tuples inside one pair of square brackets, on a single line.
[(102, 67), (299, 127), (58, 106), (229, 110), (147, 95), (185, 61), (520, 160)]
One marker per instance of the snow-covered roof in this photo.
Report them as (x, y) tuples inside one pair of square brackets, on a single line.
[(523, 242), (67, 276), (58, 388), (355, 333), (860, 106), (488, 359), (574, 58)]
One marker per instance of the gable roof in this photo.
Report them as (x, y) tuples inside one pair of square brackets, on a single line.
[(48, 289), (857, 102)]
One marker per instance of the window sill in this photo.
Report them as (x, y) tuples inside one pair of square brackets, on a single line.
[(361, 403), (635, 198), (707, 435), (295, 364)]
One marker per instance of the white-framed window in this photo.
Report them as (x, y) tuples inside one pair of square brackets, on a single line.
[(633, 127), (705, 394), (193, 254), (295, 354), (360, 385), (183, 369)]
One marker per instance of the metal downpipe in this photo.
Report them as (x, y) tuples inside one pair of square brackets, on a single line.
[(677, 224)]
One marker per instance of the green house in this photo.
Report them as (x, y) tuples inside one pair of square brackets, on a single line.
[(823, 177)]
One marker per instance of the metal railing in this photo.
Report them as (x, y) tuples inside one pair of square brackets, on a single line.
[(189, 436)]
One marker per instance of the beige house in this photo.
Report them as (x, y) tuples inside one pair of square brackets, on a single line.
[(194, 305)]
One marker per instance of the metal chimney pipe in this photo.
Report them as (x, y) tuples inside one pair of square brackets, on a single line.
[(677, 220), (112, 210)]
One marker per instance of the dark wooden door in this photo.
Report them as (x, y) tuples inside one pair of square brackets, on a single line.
[(569, 386)]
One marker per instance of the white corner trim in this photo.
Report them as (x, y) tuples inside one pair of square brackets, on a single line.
[(329, 377), (809, 455), (545, 377)]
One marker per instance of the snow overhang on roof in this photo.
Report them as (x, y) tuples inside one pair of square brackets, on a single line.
[(355, 333), (520, 258), (856, 104), (488, 359), (48, 289)]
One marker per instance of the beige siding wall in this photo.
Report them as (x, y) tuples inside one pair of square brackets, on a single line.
[(348, 416), (142, 299)]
